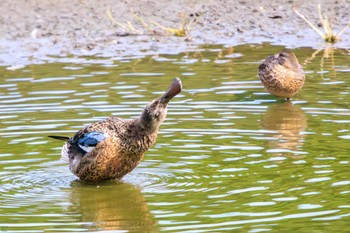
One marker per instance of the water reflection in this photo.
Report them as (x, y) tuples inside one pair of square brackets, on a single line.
[(327, 61), (208, 172), (112, 206), (288, 121)]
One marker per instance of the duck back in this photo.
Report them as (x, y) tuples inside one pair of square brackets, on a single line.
[(113, 157)]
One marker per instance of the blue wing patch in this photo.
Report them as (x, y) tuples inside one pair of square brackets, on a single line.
[(88, 141)]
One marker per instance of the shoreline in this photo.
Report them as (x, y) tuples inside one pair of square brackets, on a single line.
[(83, 27)]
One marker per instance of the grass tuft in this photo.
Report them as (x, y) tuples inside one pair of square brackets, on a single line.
[(185, 28), (328, 35)]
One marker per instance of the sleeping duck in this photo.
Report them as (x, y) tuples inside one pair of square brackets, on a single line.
[(111, 148), (282, 75)]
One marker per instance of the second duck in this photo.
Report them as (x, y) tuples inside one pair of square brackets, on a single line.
[(282, 75)]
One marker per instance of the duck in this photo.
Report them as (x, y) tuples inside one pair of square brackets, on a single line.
[(111, 148), (282, 75)]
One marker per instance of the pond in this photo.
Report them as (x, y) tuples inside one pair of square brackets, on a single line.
[(228, 157)]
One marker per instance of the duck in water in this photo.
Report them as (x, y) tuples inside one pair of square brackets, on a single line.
[(282, 75), (111, 148)]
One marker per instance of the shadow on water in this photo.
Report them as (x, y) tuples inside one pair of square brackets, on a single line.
[(111, 206), (288, 121), (55, 200)]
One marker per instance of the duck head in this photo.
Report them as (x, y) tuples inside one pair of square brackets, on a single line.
[(155, 112), (288, 59)]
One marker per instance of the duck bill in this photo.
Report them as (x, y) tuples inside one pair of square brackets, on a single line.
[(174, 89)]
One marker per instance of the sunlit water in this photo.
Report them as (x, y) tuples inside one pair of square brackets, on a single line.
[(229, 155)]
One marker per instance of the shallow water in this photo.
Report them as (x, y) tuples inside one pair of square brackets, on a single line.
[(229, 155)]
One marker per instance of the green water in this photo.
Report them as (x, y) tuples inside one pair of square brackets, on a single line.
[(229, 157)]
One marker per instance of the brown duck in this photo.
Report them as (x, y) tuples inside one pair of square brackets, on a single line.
[(111, 148), (282, 75)]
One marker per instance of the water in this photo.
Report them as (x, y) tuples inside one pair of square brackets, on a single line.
[(229, 156)]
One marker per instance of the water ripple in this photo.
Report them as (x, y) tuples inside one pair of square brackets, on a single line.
[(229, 156)]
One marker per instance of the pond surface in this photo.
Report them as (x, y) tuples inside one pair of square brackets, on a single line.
[(228, 157)]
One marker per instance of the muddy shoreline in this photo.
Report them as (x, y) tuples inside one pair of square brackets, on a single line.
[(34, 29)]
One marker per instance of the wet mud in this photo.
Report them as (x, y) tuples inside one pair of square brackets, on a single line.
[(34, 29)]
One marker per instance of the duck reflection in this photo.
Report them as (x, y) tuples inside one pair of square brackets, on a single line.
[(112, 206), (288, 121)]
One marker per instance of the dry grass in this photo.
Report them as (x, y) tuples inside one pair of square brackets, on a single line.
[(126, 26), (185, 28), (328, 35)]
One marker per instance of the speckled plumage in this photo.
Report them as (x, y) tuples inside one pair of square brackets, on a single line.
[(121, 143), (282, 75)]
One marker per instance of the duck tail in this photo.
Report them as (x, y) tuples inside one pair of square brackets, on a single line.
[(62, 138), (64, 153)]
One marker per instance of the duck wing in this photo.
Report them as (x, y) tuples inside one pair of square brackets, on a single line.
[(88, 141), (82, 143)]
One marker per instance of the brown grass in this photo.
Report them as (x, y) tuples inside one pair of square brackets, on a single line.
[(185, 28), (327, 24)]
